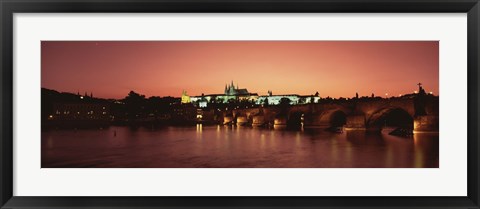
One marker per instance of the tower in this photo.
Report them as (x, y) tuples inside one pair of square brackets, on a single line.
[(185, 97)]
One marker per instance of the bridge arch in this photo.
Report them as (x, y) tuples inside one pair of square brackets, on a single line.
[(328, 118), (296, 119), (393, 117), (334, 118), (338, 118)]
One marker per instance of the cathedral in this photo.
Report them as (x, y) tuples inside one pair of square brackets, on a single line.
[(230, 90)]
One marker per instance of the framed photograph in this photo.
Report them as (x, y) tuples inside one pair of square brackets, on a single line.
[(237, 104)]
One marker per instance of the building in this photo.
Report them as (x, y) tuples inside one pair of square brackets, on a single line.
[(184, 113), (294, 99), (80, 111), (79, 115), (185, 97), (232, 92), (202, 102)]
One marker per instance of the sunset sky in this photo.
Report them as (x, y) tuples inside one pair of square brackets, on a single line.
[(110, 69)]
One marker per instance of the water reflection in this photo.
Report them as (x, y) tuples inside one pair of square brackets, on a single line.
[(234, 147)]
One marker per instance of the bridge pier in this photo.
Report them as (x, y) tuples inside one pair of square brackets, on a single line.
[(242, 120), (227, 120), (426, 123), (258, 120), (355, 122), (280, 121)]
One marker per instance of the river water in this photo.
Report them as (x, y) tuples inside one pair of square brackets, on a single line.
[(234, 147)]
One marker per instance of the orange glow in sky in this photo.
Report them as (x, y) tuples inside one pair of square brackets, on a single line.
[(110, 69)]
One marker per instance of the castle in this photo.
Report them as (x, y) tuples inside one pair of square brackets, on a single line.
[(237, 94), (231, 93), (230, 90)]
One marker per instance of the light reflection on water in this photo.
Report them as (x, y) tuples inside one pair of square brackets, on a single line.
[(234, 147)]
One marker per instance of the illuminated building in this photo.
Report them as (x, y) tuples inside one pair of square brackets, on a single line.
[(202, 102), (294, 99), (235, 93), (80, 111), (185, 97), (230, 93)]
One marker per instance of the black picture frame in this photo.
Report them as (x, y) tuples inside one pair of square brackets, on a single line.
[(9, 7)]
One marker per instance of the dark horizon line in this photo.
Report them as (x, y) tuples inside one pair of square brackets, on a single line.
[(78, 93)]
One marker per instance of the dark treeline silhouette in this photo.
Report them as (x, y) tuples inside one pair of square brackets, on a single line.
[(137, 108)]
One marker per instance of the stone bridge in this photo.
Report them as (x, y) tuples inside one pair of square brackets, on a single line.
[(419, 113)]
